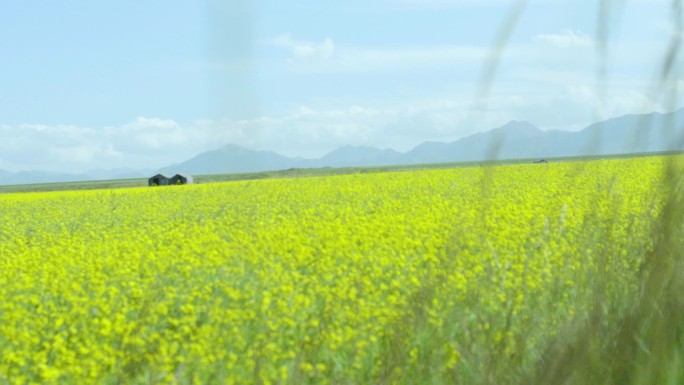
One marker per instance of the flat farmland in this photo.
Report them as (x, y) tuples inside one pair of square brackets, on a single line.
[(450, 276)]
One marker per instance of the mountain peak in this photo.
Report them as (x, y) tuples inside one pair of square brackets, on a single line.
[(358, 156), (367, 149), (519, 125), (516, 128), (234, 147)]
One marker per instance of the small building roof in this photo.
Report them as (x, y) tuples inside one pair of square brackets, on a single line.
[(162, 175)]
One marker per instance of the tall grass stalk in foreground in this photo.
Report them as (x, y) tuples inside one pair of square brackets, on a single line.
[(643, 343), (632, 339), (618, 336)]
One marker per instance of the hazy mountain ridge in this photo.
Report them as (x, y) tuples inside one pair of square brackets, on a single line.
[(117, 173), (349, 156), (26, 177), (232, 159), (514, 140), (35, 176)]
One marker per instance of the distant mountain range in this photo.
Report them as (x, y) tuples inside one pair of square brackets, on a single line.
[(515, 140)]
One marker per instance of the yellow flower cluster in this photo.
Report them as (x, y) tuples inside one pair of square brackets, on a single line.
[(360, 278)]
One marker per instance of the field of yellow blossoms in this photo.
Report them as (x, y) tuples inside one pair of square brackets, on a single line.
[(433, 276)]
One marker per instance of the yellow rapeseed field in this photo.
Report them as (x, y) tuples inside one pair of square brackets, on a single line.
[(427, 276)]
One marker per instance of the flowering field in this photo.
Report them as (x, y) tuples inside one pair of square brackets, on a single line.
[(433, 276)]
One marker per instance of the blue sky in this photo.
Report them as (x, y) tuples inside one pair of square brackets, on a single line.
[(143, 84)]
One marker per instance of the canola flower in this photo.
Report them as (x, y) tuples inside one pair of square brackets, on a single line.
[(427, 276)]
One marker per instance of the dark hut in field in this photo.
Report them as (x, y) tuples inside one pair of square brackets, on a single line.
[(181, 179), (159, 180)]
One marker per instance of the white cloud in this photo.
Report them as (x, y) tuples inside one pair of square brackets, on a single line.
[(613, 103), (456, 4), (566, 39), (310, 130), (415, 58), (651, 2), (152, 143), (328, 58), (671, 30), (141, 143), (304, 49)]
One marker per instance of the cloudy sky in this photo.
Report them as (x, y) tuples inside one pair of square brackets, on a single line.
[(143, 84)]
